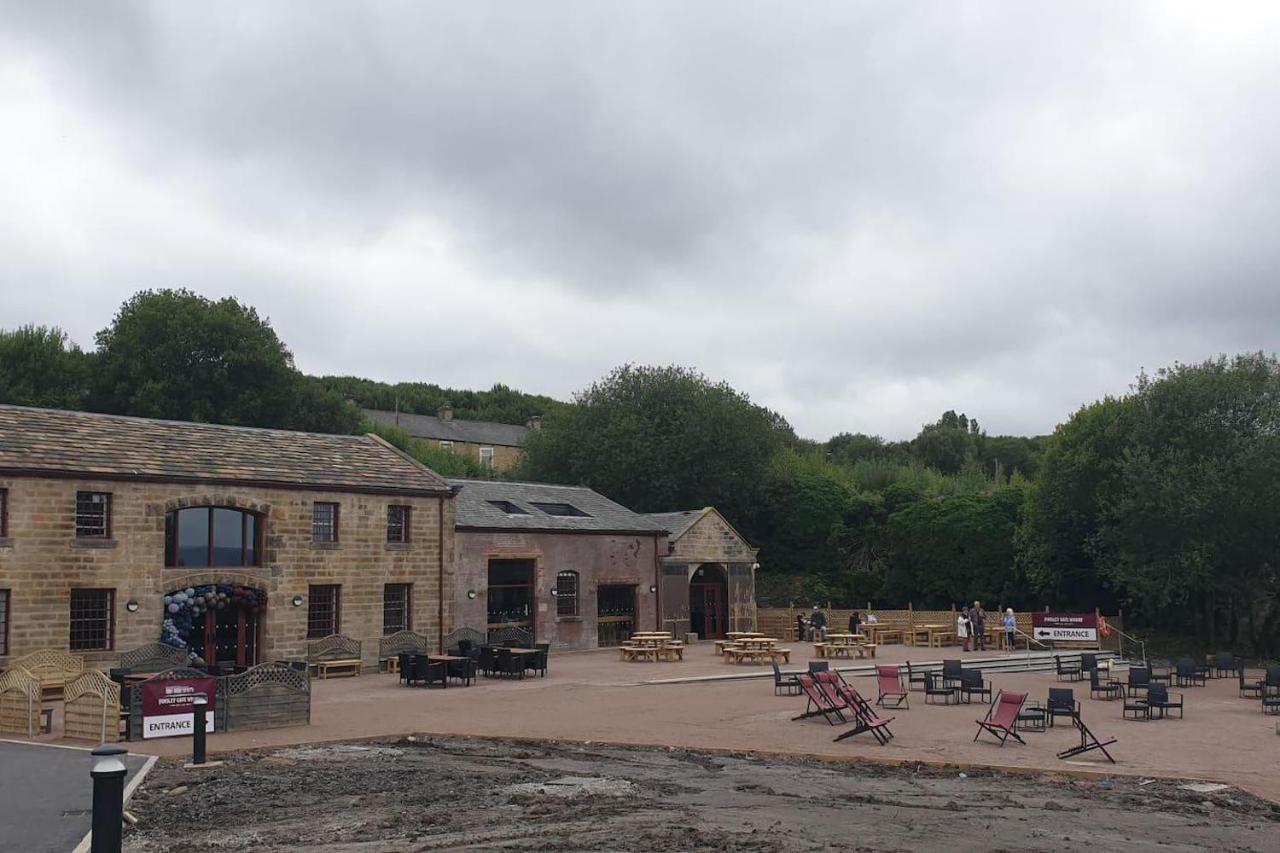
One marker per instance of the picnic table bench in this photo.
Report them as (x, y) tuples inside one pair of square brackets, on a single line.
[(338, 668), (844, 650)]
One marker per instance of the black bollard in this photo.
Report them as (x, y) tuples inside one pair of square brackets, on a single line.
[(198, 734), (108, 774)]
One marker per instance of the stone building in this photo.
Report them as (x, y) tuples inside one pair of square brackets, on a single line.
[(564, 562), (248, 541), (708, 575), (493, 445)]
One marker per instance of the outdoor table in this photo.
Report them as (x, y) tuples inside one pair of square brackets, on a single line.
[(649, 642), (927, 631), (846, 639), (756, 642), (1032, 718), (738, 635)]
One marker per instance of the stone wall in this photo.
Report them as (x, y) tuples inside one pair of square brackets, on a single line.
[(597, 558), (504, 458), (711, 539), (41, 561)]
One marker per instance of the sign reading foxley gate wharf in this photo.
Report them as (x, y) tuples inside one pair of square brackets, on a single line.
[(168, 709), (1065, 627)]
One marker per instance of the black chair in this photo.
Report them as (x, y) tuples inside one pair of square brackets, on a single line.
[(936, 686), (428, 673), (1088, 742), (1160, 699), (1224, 665), (1139, 679), (1067, 671), (464, 647), (1099, 689), (488, 660), (508, 665), (971, 684), (1187, 675), (952, 673), (1271, 700), (1248, 689), (538, 662), (1135, 708), (816, 666), (1088, 662), (1062, 703), (405, 660), (785, 683), (1161, 672), (463, 670), (915, 677)]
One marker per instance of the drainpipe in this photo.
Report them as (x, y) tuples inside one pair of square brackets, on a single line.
[(657, 586), (440, 590)]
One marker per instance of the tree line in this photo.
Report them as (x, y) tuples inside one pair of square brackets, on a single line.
[(1161, 501)]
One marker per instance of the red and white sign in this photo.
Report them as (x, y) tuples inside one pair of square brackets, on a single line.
[(1065, 627), (168, 709)]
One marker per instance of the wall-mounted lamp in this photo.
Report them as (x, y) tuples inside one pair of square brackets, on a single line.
[(132, 606), (297, 601), (554, 593), (755, 566), (652, 589), (471, 594)]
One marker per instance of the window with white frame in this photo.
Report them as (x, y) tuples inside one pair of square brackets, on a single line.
[(486, 457)]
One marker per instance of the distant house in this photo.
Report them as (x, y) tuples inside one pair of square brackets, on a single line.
[(493, 445), (565, 563)]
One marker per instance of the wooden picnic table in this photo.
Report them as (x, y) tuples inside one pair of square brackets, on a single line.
[(755, 642), (878, 633), (928, 632), (845, 639), (737, 635)]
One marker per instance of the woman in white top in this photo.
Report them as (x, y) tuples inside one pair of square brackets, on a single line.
[(962, 629)]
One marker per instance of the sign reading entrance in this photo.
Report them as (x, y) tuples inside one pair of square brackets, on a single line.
[(1066, 627), (167, 709)]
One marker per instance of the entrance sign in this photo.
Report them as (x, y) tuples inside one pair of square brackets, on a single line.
[(1066, 627), (167, 709)]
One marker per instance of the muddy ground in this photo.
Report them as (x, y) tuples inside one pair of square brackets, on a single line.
[(471, 794)]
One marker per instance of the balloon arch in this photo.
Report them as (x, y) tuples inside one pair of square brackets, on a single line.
[(185, 608)]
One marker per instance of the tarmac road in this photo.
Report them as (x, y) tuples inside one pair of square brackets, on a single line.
[(46, 796)]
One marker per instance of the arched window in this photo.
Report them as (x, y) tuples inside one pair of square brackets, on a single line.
[(567, 594), (212, 536)]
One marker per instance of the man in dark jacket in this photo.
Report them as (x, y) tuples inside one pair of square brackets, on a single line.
[(818, 621), (978, 625)]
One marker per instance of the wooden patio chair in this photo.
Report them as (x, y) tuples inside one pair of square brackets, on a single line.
[(1002, 717)]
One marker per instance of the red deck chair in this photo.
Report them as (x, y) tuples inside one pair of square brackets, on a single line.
[(819, 703), (829, 683), (866, 719), (889, 683), (1002, 716)]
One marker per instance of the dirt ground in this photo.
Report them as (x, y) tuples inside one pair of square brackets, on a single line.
[(455, 793)]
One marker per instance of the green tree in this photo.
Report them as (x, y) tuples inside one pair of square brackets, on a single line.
[(660, 438), (40, 366), (948, 444), (175, 354)]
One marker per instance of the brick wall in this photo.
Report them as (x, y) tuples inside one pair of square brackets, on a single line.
[(41, 561), (597, 558)]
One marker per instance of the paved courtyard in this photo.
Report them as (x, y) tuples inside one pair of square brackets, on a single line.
[(591, 696)]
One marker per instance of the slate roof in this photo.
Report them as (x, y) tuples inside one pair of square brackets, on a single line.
[(61, 443), (604, 516), (677, 522), (475, 432)]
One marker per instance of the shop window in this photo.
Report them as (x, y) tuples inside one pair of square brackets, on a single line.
[(324, 604), (324, 522), (397, 608), (92, 620), (397, 523), (204, 536), (93, 515), (567, 594)]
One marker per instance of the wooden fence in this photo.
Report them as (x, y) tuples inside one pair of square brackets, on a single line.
[(92, 708), (19, 702), (53, 668), (781, 621), (268, 696)]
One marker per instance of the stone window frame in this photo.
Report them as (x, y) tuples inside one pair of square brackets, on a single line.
[(259, 537), (85, 500), (333, 625), (404, 525), (567, 589), (107, 605), (333, 525), (405, 607)]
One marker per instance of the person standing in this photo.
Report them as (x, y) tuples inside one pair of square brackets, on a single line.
[(978, 627), (1010, 629), (962, 628)]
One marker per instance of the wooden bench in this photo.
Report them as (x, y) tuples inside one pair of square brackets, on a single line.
[(942, 638), (784, 654), (634, 653), (884, 635), (721, 644), (671, 652), (732, 655), (338, 668), (820, 650)]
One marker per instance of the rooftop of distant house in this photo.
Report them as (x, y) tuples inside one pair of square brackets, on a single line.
[(56, 443), (442, 426)]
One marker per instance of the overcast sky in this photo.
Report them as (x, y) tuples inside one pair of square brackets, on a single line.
[(860, 214)]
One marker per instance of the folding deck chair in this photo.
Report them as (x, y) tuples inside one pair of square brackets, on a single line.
[(889, 686), (819, 704), (865, 718), (1088, 742), (1002, 717)]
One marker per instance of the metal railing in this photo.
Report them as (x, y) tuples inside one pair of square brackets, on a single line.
[(1132, 639)]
